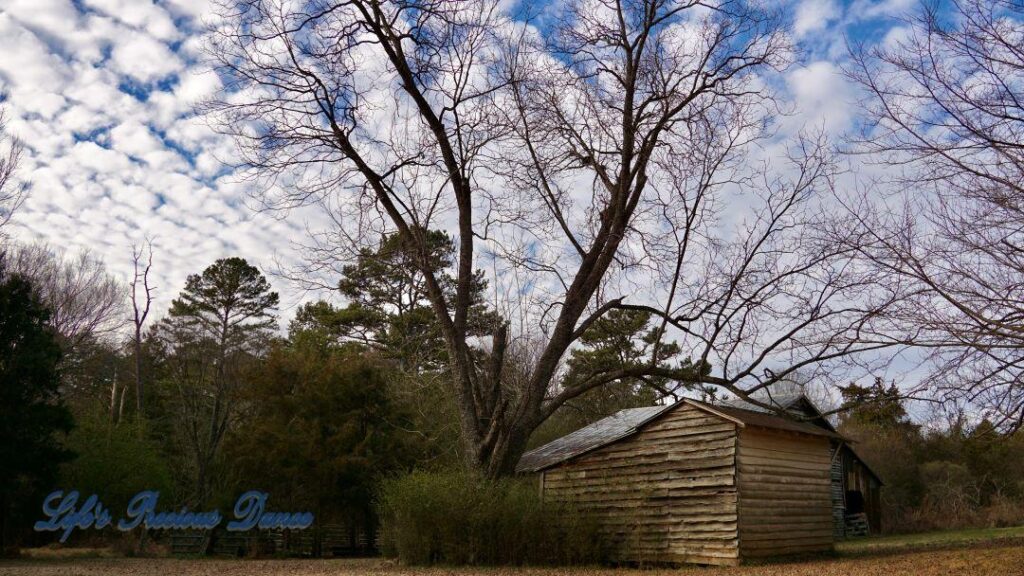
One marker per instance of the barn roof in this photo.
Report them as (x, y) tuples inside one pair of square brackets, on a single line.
[(797, 404), (783, 401), (627, 422), (765, 419), (592, 436)]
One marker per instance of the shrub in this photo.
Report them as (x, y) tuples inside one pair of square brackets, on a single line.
[(114, 461), (460, 518), (1003, 512)]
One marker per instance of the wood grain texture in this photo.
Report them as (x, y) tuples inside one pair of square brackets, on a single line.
[(693, 487), (785, 498), (666, 494)]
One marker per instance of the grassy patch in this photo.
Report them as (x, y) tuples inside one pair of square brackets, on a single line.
[(942, 539)]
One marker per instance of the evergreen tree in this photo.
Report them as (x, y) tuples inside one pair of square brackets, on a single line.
[(322, 427), (388, 311), (220, 323), (388, 308), (874, 405), (32, 415), (619, 339)]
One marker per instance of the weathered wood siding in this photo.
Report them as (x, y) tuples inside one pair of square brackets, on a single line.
[(838, 492), (785, 504), (666, 494)]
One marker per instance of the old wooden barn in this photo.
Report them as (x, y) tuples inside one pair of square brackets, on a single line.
[(711, 484)]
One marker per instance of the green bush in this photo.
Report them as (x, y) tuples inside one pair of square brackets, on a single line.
[(115, 462), (460, 518)]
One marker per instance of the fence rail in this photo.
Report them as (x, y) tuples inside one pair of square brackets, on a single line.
[(327, 540)]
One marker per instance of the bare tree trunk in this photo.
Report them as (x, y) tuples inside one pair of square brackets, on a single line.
[(113, 400), (140, 312), (120, 404), (201, 480), (139, 388)]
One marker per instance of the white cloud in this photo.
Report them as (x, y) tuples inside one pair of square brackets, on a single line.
[(55, 17), (95, 158), (102, 93), (27, 64), (144, 58), (140, 14), (195, 9), (869, 9), (822, 96), (135, 139), (197, 86), (814, 15)]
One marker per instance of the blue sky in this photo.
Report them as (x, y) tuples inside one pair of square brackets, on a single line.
[(102, 93)]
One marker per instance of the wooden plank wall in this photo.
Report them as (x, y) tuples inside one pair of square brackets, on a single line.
[(666, 494), (785, 502), (838, 492)]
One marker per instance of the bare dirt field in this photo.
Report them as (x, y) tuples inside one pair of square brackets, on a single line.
[(997, 559)]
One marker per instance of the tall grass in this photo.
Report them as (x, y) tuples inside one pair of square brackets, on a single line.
[(460, 518)]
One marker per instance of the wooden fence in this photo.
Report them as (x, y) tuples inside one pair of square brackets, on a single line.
[(329, 540)]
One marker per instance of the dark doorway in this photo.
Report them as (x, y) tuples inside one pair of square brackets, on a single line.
[(854, 502)]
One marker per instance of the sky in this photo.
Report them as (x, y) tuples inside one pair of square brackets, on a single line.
[(102, 92)]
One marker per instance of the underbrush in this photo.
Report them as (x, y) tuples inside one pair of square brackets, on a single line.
[(932, 515), (459, 518)]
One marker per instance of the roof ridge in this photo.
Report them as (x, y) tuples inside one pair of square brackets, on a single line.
[(627, 421)]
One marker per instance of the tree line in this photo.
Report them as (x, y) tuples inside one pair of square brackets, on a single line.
[(213, 399), (953, 472)]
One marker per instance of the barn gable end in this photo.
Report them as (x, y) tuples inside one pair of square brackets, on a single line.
[(666, 493)]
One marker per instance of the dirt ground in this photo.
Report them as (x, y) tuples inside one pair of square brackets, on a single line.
[(1005, 559)]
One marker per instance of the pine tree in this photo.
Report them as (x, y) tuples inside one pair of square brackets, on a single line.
[(219, 323)]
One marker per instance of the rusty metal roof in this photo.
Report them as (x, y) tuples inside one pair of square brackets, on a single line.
[(627, 422)]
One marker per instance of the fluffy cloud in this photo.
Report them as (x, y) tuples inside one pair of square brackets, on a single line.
[(814, 15), (822, 98), (144, 58), (102, 93)]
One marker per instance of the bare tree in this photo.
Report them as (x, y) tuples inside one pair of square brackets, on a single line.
[(12, 190), (946, 110), (585, 164), (85, 301), (142, 299)]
